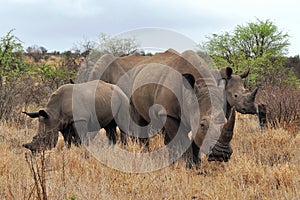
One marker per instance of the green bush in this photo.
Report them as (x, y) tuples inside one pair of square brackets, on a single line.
[(23, 84)]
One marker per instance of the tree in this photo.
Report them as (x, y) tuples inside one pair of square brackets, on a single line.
[(106, 45), (260, 45), (12, 67), (11, 50), (36, 52), (84, 47), (117, 46)]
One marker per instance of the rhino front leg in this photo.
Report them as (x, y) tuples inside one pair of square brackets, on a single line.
[(111, 132), (196, 158), (175, 139), (67, 135), (123, 136), (81, 131)]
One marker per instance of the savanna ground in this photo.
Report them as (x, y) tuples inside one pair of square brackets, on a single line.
[(264, 165)]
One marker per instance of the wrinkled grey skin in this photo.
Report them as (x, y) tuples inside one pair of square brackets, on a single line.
[(72, 116)]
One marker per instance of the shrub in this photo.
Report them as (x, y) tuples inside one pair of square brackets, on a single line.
[(22, 84), (282, 104)]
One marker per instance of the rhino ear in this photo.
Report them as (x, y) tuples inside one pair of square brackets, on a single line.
[(226, 73), (245, 73), (229, 72), (71, 81), (44, 114), (190, 78)]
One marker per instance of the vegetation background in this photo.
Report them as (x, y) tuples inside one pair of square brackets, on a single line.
[(264, 165)]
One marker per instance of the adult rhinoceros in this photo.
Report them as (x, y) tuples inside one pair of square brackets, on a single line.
[(162, 97), (75, 110)]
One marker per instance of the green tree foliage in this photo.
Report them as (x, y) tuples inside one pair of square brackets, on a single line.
[(259, 45), (11, 60), (21, 83)]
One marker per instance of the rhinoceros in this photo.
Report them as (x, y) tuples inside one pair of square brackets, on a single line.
[(161, 97), (127, 74), (75, 110)]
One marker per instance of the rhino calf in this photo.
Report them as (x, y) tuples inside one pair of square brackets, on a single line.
[(75, 110)]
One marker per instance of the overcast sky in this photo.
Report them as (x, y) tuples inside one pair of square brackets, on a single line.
[(60, 24)]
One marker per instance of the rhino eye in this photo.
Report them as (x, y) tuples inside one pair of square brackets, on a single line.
[(203, 124), (235, 95)]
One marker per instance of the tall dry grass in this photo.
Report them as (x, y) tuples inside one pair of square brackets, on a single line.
[(264, 165)]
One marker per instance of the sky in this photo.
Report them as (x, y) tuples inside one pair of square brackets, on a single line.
[(62, 24)]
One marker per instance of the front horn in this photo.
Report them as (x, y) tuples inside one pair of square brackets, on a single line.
[(253, 94), (227, 132)]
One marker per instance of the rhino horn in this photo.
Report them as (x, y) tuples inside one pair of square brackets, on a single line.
[(32, 114), (253, 94), (222, 150), (227, 131), (245, 73)]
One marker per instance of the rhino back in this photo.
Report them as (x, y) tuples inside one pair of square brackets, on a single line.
[(81, 101)]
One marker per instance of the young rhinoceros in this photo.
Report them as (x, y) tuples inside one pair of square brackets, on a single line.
[(75, 110)]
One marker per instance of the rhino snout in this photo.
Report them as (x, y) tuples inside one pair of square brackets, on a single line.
[(31, 147), (220, 153)]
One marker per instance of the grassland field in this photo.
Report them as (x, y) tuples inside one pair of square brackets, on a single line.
[(264, 165)]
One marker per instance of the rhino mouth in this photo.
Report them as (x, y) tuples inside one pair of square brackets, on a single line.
[(32, 147), (251, 110), (40, 143), (221, 153)]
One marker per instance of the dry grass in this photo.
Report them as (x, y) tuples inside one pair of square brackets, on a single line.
[(264, 165)]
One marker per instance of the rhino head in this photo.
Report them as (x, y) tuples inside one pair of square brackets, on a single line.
[(236, 93), (212, 123), (47, 134)]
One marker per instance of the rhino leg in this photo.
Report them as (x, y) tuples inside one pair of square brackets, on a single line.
[(111, 132), (123, 136), (140, 122), (176, 148), (196, 158), (67, 136), (81, 132), (262, 115), (193, 160)]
